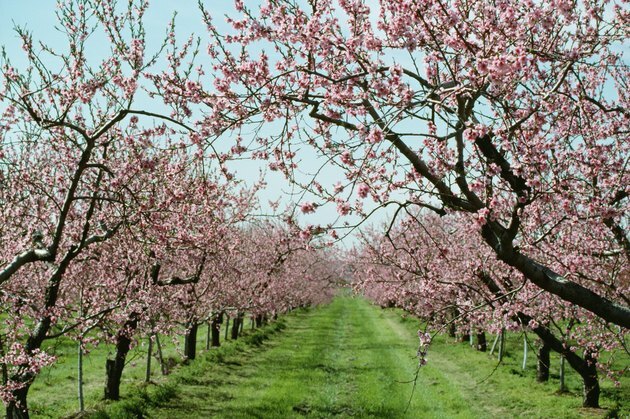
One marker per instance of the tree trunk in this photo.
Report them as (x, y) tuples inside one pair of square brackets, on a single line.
[(591, 383), (227, 327), (482, 344), (563, 387), (5, 370), (80, 379), (542, 372), (114, 367), (159, 354), (80, 361), (524, 352), (585, 367), (494, 344), (451, 330), (12, 409), (552, 282), (236, 325), (501, 345), (452, 316), (209, 324), (147, 375), (112, 383), (216, 329), (18, 408), (190, 341)]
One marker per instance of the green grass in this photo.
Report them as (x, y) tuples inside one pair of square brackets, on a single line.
[(54, 393), (346, 359), (506, 390), (351, 359)]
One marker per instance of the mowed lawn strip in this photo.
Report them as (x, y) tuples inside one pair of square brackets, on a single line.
[(345, 359), (352, 359)]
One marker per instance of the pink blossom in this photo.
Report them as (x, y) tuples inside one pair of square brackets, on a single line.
[(375, 135), (308, 207), (363, 190), (343, 208), (346, 157)]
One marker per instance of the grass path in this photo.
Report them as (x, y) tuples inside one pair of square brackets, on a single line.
[(346, 359), (351, 359)]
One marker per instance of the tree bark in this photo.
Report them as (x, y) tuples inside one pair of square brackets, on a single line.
[(544, 359), (80, 361), (563, 387), (160, 357), (80, 378), (236, 325), (114, 367), (494, 344), (451, 330), (590, 388), (18, 408), (209, 324), (190, 341), (147, 375), (216, 329), (585, 367), (498, 238), (482, 344), (5, 370)]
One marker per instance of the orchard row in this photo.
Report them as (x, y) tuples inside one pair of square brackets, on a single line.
[(496, 130), (114, 229)]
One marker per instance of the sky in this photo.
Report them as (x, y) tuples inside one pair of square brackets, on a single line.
[(38, 16)]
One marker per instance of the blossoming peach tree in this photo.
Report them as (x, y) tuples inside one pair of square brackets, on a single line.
[(513, 111), (76, 167), (438, 269)]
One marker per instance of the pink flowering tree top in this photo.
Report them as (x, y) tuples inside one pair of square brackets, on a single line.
[(513, 111)]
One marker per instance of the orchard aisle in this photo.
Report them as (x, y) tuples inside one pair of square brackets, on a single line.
[(345, 359)]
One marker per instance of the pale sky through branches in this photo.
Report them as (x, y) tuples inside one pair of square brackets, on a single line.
[(39, 18)]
